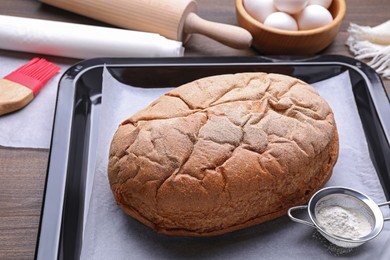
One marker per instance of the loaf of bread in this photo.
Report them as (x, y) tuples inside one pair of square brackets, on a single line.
[(223, 153)]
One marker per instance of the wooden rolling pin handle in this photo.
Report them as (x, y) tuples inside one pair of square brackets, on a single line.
[(230, 35)]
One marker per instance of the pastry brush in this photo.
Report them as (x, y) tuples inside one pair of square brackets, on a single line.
[(18, 88)]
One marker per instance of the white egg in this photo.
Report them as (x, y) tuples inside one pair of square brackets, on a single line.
[(259, 9), (324, 3), (313, 16), (281, 21), (290, 6)]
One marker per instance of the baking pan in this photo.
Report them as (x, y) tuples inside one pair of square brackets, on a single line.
[(79, 96)]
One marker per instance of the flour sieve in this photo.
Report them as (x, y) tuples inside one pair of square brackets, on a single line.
[(349, 200)]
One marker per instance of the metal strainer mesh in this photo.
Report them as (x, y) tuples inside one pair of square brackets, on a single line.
[(347, 199), (347, 202), (357, 203)]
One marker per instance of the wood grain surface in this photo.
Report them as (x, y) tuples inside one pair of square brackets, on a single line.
[(23, 171)]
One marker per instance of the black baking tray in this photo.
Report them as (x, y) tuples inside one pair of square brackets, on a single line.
[(79, 95)]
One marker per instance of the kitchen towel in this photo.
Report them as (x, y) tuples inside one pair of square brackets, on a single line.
[(372, 43)]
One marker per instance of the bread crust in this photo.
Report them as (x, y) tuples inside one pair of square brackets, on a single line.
[(223, 153)]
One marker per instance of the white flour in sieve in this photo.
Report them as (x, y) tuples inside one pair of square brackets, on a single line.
[(343, 222)]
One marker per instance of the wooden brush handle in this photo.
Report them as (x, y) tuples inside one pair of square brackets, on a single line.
[(13, 96), (232, 36)]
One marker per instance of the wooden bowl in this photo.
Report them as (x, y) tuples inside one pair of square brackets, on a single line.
[(269, 40)]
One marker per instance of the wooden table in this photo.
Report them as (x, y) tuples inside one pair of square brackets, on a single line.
[(23, 171)]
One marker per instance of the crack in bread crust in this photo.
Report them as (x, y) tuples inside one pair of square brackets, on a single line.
[(223, 153)]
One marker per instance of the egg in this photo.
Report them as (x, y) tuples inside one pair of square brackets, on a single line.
[(313, 16), (281, 21), (290, 6), (259, 9), (324, 3)]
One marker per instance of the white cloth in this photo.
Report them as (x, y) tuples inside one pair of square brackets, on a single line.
[(371, 43), (110, 234)]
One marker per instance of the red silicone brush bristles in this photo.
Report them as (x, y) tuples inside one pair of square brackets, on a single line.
[(34, 74)]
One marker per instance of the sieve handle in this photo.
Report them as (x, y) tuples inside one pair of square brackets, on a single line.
[(384, 204), (290, 210)]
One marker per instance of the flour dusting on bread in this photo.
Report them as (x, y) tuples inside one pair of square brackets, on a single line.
[(223, 153)]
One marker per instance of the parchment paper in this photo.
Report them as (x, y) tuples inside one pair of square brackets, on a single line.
[(82, 41), (110, 234)]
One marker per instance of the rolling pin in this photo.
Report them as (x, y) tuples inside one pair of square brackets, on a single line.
[(173, 19)]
